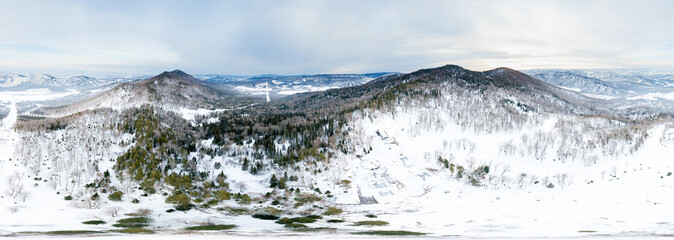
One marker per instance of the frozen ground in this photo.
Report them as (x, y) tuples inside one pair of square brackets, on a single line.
[(190, 114), (35, 94), (414, 194), (618, 195), (7, 135), (654, 96), (234, 236), (623, 193)]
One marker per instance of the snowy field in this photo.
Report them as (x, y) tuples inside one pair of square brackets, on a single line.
[(7, 135), (214, 236), (414, 195), (35, 94), (608, 192)]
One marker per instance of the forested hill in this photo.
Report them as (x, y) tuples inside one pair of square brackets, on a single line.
[(315, 120), (152, 147), (169, 90), (424, 83)]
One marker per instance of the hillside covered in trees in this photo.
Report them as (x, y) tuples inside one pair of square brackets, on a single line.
[(401, 138)]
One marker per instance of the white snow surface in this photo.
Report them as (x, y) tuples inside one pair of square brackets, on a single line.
[(7, 135), (571, 89), (34, 94), (604, 187), (599, 96), (654, 96), (190, 114), (423, 197)]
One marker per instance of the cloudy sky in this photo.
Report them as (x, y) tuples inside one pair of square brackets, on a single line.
[(292, 37)]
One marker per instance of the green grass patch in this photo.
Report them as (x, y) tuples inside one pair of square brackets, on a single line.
[(286, 220), (237, 211), (370, 223), (72, 232), (371, 216), (295, 225), (134, 231), (333, 211), (314, 216), (390, 233), (303, 220), (265, 216), (271, 210), (116, 196), (318, 229), (336, 221), (134, 222), (212, 227), (143, 212), (306, 198), (587, 231), (94, 222)]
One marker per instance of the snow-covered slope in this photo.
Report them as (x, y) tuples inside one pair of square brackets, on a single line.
[(506, 172), (554, 176), (443, 151), (577, 80), (32, 91), (15, 80), (616, 83), (281, 85), (171, 90)]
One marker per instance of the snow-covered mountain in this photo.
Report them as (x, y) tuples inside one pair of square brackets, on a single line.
[(32, 91), (616, 83), (579, 81), (9, 80), (170, 90), (283, 85), (294, 83), (640, 77), (441, 151)]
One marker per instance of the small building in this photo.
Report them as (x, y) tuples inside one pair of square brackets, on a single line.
[(366, 199), (347, 199)]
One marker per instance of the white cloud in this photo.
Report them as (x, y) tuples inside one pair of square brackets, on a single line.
[(251, 37)]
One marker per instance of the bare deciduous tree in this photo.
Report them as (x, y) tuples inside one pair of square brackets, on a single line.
[(114, 211), (242, 186), (90, 203), (13, 209), (142, 212), (24, 196), (15, 184)]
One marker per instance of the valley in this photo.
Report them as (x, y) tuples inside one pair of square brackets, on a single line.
[(440, 152)]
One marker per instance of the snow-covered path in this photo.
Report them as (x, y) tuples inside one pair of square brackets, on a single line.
[(7, 135)]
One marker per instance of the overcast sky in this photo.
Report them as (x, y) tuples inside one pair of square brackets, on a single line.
[(292, 37)]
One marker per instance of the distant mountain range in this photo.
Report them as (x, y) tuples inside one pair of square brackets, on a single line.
[(281, 85), (633, 88), (8, 80), (612, 82), (15, 80), (615, 83), (176, 146), (171, 90)]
